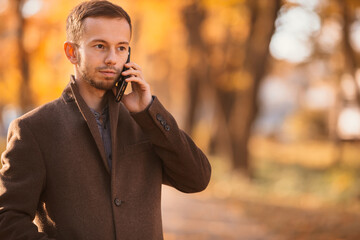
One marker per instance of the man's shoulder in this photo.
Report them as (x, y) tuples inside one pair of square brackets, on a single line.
[(43, 113)]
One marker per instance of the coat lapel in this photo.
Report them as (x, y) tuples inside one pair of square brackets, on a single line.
[(90, 120), (121, 125), (114, 118)]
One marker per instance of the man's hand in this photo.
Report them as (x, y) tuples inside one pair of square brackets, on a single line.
[(140, 97)]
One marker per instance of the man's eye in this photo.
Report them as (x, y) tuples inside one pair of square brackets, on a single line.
[(99, 46), (122, 48)]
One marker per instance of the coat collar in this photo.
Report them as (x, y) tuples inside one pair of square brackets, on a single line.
[(71, 93)]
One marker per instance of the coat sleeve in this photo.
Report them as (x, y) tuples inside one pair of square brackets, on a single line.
[(22, 178), (185, 166)]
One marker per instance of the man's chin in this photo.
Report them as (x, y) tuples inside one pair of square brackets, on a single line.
[(103, 85)]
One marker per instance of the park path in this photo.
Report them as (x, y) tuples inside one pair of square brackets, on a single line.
[(200, 217)]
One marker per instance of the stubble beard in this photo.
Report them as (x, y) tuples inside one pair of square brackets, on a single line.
[(90, 79), (101, 85)]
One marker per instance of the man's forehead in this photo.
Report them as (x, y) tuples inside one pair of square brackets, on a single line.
[(106, 28), (104, 18)]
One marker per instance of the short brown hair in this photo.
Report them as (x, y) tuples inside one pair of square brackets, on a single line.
[(93, 8)]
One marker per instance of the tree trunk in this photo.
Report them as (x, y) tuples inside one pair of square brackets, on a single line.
[(257, 55), (351, 58), (238, 107), (25, 96), (194, 16)]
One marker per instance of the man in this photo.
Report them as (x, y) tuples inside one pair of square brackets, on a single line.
[(86, 167)]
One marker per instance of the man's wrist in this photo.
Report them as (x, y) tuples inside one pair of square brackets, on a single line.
[(146, 107)]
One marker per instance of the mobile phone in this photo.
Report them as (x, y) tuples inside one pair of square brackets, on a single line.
[(121, 84)]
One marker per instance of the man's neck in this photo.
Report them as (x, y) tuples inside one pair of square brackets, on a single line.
[(92, 96)]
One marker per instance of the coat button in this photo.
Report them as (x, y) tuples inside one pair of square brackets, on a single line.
[(167, 127), (159, 117), (117, 202), (163, 122)]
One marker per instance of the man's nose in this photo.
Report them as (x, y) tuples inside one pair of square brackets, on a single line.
[(110, 57)]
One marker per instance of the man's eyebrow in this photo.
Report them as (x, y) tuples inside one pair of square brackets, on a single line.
[(103, 41), (126, 43)]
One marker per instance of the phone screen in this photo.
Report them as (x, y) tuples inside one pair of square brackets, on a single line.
[(121, 84)]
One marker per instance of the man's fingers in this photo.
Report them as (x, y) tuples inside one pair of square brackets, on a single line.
[(133, 66), (138, 80), (139, 83), (135, 76), (133, 72)]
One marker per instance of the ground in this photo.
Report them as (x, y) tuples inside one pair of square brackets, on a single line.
[(198, 217), (205, 216)]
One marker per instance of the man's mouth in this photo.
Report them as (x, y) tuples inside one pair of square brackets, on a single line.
[(108, 73)]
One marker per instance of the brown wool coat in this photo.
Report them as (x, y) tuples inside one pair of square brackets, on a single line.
[(55, 170)]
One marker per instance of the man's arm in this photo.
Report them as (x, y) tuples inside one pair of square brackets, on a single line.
[(22, 178), (185, 166)]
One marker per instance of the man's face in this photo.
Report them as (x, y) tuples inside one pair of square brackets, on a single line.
[(103, 50)]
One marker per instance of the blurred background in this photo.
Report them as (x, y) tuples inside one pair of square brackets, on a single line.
[(269, 89)]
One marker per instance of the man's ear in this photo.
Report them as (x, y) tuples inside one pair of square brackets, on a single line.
[(71, 52)]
